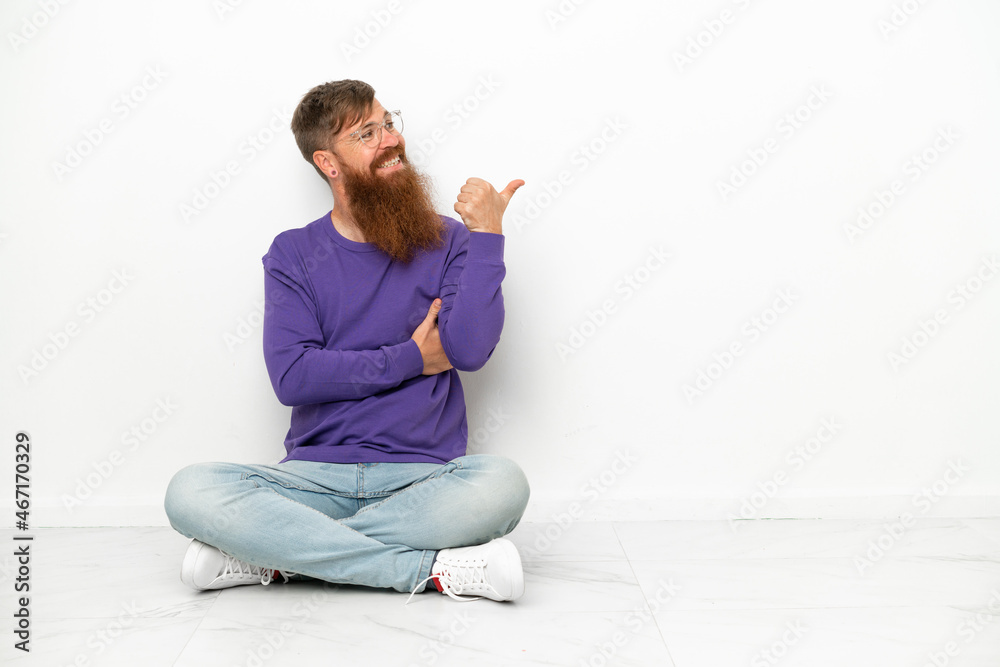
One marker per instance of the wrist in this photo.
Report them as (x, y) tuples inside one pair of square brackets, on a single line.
[(496, 229)]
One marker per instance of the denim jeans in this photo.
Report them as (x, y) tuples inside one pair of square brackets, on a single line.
[(369, 524)]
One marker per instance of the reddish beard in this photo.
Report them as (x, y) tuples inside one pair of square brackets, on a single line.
[(395, 212)]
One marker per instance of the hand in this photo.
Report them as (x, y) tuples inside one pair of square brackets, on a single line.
[(482, 207), (428, 339)]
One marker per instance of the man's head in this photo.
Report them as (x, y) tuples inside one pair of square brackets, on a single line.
[(356, 146)]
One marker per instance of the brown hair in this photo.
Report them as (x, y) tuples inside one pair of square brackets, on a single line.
[(326, 109)]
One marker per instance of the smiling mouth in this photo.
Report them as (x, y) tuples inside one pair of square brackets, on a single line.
[(391, 163)]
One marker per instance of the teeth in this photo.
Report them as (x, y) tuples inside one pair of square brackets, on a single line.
[(391, 163)]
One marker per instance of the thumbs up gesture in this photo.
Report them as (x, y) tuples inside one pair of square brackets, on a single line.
[(482, 207)]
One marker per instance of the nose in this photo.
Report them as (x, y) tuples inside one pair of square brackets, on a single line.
[(389, 139)]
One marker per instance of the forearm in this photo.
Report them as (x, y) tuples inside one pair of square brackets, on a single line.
[(302, 375), (472, 314)]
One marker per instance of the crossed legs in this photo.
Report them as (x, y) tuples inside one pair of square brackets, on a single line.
[(370, 524)]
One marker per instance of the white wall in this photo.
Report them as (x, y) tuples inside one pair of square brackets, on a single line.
[(200, 81)]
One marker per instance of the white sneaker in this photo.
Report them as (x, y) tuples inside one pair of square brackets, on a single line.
[(491, 570), (206, 568)]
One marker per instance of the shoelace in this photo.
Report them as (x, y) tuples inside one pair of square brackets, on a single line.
[(236, 567), (469, 573)]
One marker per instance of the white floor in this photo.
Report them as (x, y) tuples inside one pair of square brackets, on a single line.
[(684, 594)]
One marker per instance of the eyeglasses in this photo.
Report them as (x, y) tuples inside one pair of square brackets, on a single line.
[(371, 134)]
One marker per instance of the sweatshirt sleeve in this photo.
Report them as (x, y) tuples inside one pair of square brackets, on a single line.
[(302, 370), (472, 313)]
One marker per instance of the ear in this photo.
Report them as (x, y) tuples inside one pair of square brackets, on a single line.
[(327, 163)]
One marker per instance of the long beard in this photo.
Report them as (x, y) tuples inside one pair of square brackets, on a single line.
[(395, 212)]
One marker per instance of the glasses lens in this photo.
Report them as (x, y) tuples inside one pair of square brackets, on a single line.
[(394, 123), (372, 134)]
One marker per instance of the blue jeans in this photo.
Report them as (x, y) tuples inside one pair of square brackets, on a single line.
[(369, 524)]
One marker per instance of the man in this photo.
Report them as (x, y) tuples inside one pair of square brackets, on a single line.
[(370, 311)]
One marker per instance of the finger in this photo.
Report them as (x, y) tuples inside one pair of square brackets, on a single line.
[(511, 188), (432, 312)]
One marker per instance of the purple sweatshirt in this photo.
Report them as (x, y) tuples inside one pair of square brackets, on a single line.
[(338, 318)]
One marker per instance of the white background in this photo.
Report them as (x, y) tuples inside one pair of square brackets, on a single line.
[(587, 387)]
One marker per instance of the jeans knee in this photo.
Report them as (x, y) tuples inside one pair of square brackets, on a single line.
[(510, 485), (520, 489), (182, 498), (196, 500)]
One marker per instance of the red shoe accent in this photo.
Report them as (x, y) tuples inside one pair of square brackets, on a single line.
[(437, 585)]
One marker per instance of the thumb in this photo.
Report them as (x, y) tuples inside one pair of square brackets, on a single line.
[(432, 312), (509, 191)]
